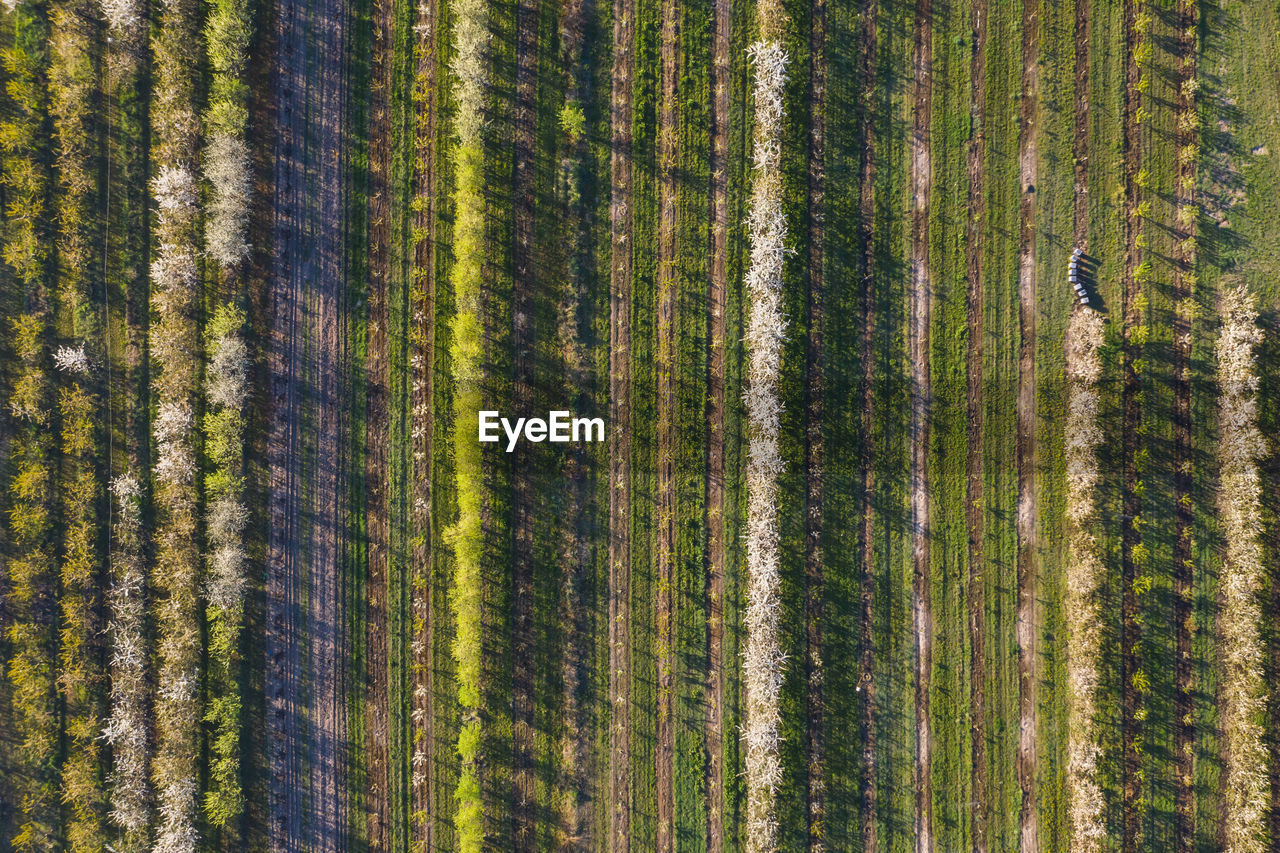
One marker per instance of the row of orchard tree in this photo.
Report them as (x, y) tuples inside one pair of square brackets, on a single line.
[(123, 271)]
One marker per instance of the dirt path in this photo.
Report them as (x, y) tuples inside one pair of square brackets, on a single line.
[(1028, 629), (866, 613), (524, 746), (668, 436), (976, 599), (920, 300), (306, 646), (378, 706), (814, 580), (717, 306), (620, 431), (423, 297)]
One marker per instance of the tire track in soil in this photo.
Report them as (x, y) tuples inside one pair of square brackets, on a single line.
[(620, 435), (974, 511), (306, 646), (814, 580), (377, 760), (524, 745), (668, 281), (866, 663), (920, 305), (1025, 448), (717, 306)]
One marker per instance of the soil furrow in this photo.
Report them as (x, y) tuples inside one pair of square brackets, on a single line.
[(377, 711), (866, 613), (665, 365), (814, 593), (920, 300), (974, 500), (522, 340), (620, 287), (1028, 509), (307, 700), (717, 322)]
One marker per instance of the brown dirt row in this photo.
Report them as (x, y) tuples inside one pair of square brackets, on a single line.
[(814, 581), (422, 826), (620, 430), (306, 641), (524, 744), (1184, 728), (1028, 510), (920, 300), (717, 306), (665, 363), (1131, 632), (976, 600), (378, 707), (576, 814), (866, 613)]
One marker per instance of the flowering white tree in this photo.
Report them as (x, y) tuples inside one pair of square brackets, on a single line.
[(72, 360), (763, 657), (1244, 687), (127, 729), (1084, 578)]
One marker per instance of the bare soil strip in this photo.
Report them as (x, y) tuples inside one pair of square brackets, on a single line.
[(306, 645), (668, 279), (1028, 511), (976, 600), (524, 736), (717, 305), (814, 596), (866, 614), (1184, 706), (921, 299), (422, 826), (1131, 632), (620, 431), (376, 483)]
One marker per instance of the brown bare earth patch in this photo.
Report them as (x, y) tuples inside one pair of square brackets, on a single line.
[(920, 299), (620, 431), (306, 681), (1027, 621)]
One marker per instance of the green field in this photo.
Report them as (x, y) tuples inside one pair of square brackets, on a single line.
[(265, 261)]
